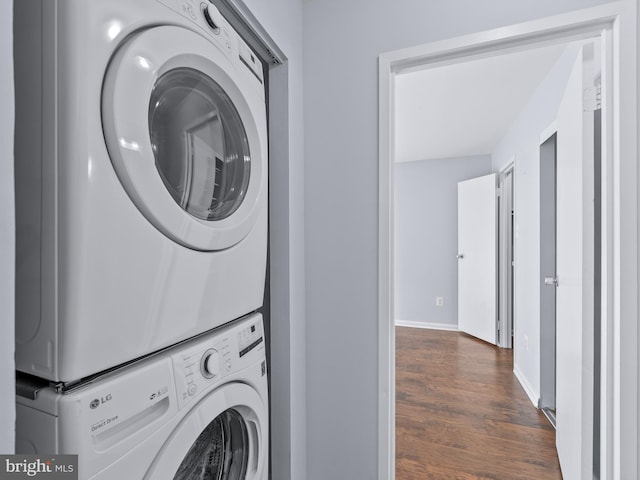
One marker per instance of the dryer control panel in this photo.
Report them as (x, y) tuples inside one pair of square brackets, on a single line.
[(206, 363), (208, 18)]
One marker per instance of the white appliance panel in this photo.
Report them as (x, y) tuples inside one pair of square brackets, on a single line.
[(98, 285), (142, 420)]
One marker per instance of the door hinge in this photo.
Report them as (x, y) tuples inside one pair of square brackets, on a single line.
[(592, 98)]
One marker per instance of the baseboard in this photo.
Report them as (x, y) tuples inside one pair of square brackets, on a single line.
[(429, 326), (526, 387)]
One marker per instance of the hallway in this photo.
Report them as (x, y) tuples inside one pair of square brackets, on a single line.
[(461, 413)]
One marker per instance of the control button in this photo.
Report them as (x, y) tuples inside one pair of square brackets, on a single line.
[(210, 364), (228, 365), (192, 389)]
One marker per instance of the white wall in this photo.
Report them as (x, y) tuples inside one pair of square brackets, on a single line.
[(426, 237), (342, 41), (282, 19), (523, 140), (7, 232)]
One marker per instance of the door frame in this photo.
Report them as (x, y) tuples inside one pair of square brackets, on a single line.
[(506, 254), (615, 24), (545, 136)]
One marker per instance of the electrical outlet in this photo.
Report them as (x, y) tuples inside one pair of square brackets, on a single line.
[(526, 343), (439, 301)]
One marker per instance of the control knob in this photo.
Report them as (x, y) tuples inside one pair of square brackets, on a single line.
[(210, 364), (213, 17)]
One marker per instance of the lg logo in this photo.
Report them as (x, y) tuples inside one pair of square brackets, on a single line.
[(96, 402)]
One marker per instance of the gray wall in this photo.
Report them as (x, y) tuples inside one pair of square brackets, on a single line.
[(426, 237), (7, 232), (522, 140), (342, 43), (282, 19)]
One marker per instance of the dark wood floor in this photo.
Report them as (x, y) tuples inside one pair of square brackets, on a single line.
[(461, 413)]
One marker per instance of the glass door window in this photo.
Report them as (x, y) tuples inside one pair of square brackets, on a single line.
[(220, 452), (186, 138), (200, 144)]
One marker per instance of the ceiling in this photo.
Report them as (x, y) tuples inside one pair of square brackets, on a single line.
[(466, 108)]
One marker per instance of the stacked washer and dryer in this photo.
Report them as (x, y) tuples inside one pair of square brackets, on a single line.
[(141, 211)]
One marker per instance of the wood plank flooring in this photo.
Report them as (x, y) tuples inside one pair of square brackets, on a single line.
[(461, 413)]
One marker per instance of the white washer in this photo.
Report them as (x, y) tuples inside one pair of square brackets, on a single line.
[(141, 180), (196, 411)]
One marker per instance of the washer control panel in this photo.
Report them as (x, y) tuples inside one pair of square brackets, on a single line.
[(249, 338), (203, 363), (200, 366)]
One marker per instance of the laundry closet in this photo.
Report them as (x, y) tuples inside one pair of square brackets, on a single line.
[(141, 226)]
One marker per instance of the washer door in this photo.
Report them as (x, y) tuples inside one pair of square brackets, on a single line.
[(224, 437), (183, 138)]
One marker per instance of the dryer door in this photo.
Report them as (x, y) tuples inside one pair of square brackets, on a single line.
[(224, 437), (186, 137)]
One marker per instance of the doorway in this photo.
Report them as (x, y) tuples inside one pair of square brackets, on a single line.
[(595, 22), (548, 195), (506, 262), (477, 200)]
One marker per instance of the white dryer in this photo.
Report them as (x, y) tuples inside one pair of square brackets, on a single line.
[(196, 411), (141, 180)]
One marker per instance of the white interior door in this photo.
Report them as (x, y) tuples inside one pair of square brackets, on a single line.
[(477, 257), (575, 271)]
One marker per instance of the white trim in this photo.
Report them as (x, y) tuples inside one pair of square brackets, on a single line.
[(616, 23), (548, 132), (505, 324), (575, 25), (608, 296), (509, 167), (386, 332), (426, 325), (528, 389), (624, 244)]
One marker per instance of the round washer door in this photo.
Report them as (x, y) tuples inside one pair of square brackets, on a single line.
[(183, 138), (223, 437)]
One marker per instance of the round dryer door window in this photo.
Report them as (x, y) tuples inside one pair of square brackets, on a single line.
[(200, 144), (186, 134)]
